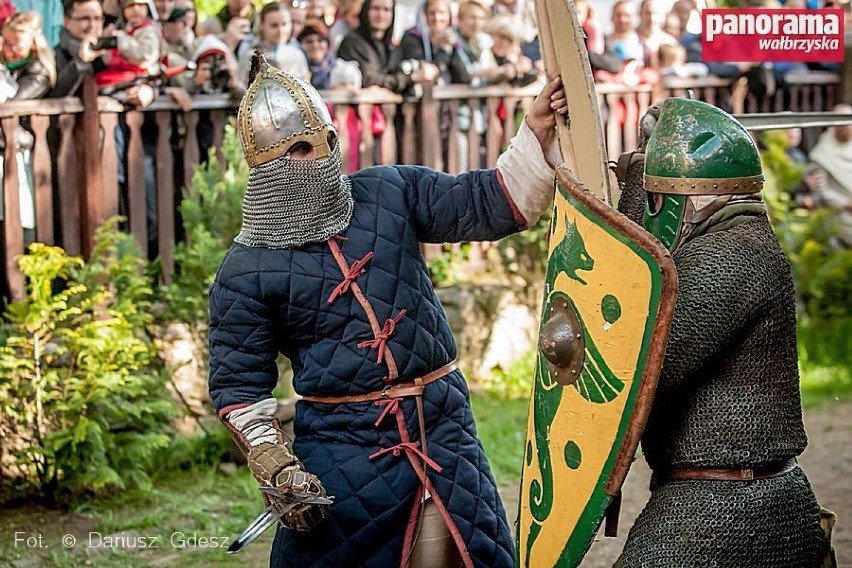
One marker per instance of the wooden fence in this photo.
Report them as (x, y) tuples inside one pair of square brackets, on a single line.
[(75, 160)]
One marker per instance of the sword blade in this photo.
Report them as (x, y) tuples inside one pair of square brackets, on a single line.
[(779, 120), (270, 516), (257, 528)]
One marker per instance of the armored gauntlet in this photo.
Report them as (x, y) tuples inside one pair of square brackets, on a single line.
[(273, 464)]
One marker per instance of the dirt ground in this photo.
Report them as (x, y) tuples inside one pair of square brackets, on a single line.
[(827, 462)]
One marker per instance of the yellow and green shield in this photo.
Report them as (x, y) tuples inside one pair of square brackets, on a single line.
[(609, 297)]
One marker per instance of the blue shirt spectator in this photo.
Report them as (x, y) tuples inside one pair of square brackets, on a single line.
[(51, 12)]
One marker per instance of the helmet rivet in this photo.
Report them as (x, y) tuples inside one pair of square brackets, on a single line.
[(715, 185)]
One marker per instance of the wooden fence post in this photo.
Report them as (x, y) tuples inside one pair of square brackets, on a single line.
[(430, 126), (13, 232), (91, 182)]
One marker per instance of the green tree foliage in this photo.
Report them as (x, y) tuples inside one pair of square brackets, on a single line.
[(83, 405), (822, 272), (211, 212), (525, 254), (514, 382), (209, 7)]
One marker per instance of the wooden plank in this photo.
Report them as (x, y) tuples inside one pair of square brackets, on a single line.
[(341, 120), (509, 120), (390, 154), (43, 107), (430, 129), (68, 172), (409, 118), (474, 139), (365, 115), (494, 136), (566, 56), (136, 203), (13, 231), (219, 119), (109, 165), (42, 181), (92, 193), (613, 128), (165, 195), (191, 150), (631, 122), (453, 138)]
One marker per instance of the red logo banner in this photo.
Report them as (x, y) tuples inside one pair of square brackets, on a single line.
[(772, 34)]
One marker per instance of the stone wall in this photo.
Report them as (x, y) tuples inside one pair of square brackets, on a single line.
[(494, 324)]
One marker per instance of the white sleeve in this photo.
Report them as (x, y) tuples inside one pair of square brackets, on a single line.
[(528, 174), (255, 422)]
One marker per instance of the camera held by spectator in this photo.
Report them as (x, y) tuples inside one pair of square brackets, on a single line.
[(216, 71)]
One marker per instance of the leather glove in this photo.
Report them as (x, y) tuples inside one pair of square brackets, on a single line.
[(273, 464)]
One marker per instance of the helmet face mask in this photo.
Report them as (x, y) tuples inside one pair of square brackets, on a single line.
[(664, 217)]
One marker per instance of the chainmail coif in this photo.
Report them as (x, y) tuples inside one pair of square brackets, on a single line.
[(632, 200), (290, 203)]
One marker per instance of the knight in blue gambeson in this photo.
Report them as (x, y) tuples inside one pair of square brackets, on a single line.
[(327, 270)]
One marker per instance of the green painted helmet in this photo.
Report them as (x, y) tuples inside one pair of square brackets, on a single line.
[(695, 149)]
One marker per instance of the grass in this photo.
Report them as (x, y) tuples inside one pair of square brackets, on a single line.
[(502, 427), (189, 516), (824, 383), (202, 501)]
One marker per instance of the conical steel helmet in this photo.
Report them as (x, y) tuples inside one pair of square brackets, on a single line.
[(278, 111), (695, 149)]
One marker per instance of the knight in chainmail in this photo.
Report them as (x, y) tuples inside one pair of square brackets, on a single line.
[(386, 468), (726, 424)]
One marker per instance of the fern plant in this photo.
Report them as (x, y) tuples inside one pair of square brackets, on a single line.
[(83, 405)]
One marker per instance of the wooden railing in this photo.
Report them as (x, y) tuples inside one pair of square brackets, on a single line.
[(75, 161)]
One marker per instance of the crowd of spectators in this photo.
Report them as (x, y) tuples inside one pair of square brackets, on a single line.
[(138, 49)]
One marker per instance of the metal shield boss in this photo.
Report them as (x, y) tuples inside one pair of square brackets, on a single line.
[(608, 300)]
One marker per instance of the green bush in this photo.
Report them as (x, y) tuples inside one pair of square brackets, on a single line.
[(822, 273), (211, 210), (83, 404), (515, 382), (447, 268), (525, 253)]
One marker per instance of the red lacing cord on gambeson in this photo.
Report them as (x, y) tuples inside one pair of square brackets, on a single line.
[(380, 342), (391, 408), (413, 447), (355, 271)]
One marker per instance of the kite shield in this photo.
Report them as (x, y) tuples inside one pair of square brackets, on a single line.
[(608, 302)]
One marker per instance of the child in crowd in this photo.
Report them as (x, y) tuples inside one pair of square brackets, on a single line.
[(136, 55), (273, 40)]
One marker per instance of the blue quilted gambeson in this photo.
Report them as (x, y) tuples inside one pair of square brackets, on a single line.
[(269, 301)]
